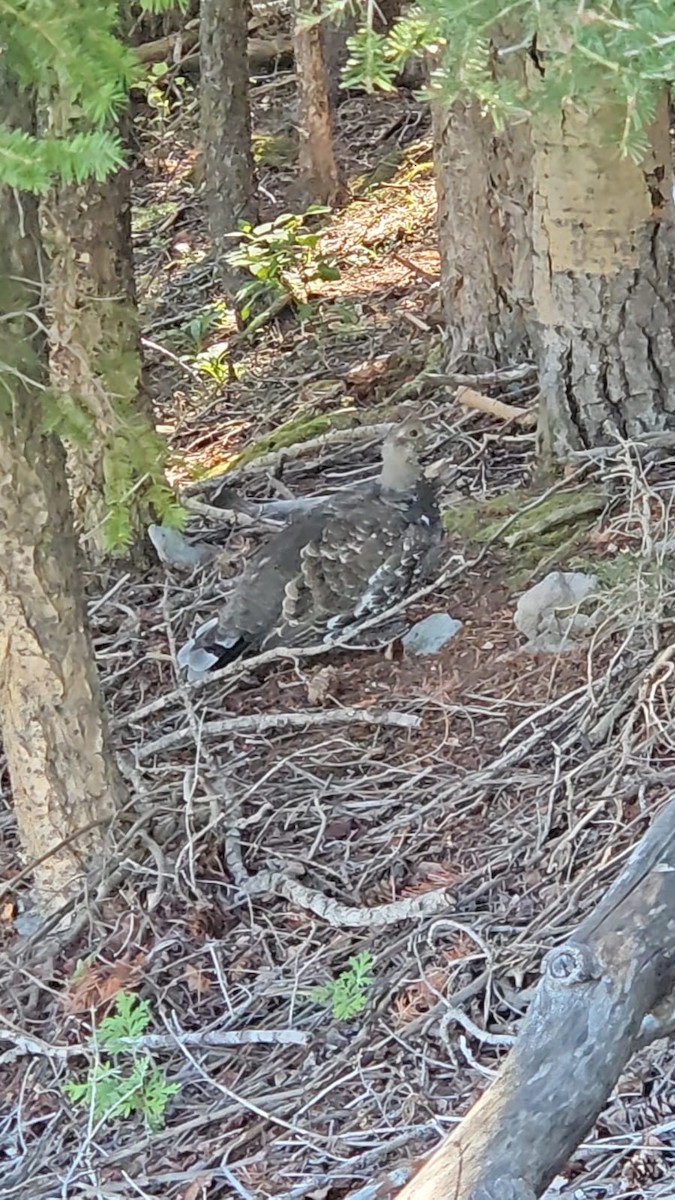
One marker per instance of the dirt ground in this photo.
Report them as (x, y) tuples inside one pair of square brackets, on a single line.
[(292, 815)]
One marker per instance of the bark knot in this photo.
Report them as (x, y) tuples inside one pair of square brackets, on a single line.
[(570, 964)]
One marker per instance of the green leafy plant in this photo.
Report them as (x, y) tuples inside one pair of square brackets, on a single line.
[(198, 329), (282, 257), (160, 97), (124, 1080), (215, 364), (348, 994)]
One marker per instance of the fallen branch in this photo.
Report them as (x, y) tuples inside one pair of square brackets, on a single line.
[(470, 398), (332, 437), (487, 378), (604, 994), (348, 916), (261, 51), (266, 512), (148, 344), (162, 49), (333, 912), (262, 722), (579, 508), (207, 1039), (213, 512)]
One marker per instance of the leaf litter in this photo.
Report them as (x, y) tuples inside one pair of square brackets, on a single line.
[(452, 846)]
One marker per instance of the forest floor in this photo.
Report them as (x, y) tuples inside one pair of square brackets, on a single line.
[(450, 817)]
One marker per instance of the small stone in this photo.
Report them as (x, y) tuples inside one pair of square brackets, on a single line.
[(431, 634), (547, 614), (175, 549)]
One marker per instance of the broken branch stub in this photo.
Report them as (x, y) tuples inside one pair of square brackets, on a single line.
[(581, 1029)]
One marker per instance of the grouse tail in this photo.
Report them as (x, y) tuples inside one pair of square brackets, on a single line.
[(208, 649)]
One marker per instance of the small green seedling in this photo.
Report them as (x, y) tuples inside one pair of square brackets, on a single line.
[(283, 259), (348, 993), (124, 1080), (215, 364), (202, 325)]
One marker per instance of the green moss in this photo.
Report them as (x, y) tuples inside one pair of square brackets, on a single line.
[(151, 214), (385, 170), (535, 540), (274, 149), (302, 429)]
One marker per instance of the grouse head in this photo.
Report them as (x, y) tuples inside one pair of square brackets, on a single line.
[(401, 468)]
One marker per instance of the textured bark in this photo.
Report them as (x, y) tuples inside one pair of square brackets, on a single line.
[(94, 339), (335, 54), (53, 731), (319, 174), (604, 282), (483, 181), (226, 125), (603, 995)]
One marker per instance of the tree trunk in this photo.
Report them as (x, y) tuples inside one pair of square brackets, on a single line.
[(319, 174), (604, 282), (95, 362), (61, 769), (335, 53), (229, 170), (483, 185)]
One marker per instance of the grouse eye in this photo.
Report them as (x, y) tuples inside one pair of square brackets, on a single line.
[(414, 433)]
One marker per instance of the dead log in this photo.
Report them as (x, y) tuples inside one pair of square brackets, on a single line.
[(604, 994), (162, 49), (261, 51)]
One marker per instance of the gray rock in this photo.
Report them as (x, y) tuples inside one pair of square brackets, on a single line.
[(175, 549), (548, 613), (431, 634)]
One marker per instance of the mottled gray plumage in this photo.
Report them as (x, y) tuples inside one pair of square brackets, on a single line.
[(349, 559)]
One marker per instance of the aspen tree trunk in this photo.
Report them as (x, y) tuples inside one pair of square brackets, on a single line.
[(319, 174), (483, 183), (604, 281), (229, 170), (61, 768)]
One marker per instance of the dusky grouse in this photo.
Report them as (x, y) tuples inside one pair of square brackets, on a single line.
[(331, 566)]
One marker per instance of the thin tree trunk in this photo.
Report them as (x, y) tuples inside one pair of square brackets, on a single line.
[(604, 281), (319, 174), (95, 361), (229, 170), (483, 186), (61, 769)]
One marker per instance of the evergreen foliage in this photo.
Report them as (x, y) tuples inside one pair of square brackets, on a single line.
[(586, 54), (66, 54), (65, 48)]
